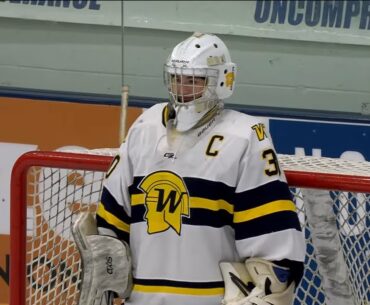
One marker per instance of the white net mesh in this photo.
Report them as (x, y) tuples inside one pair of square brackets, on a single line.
[(336, 226), (324, 165)]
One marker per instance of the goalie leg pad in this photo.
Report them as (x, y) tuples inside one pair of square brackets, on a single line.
[(106, 262)]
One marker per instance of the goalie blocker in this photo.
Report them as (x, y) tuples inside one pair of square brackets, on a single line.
[(257, 282), (106, 263)]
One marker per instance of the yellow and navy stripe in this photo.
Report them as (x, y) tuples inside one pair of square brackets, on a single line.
[(265, 209), (111, 215), (268, 208), (270, 223), (179, 287), (209, 204), (196, 187), (269, 192)]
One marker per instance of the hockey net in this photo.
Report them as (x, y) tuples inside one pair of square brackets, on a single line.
[(49, 189)]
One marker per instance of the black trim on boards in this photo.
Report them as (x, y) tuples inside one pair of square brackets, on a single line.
[(146, 102)]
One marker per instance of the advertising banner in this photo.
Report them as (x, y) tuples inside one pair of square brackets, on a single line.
[(76, 11), (321, 138), (331, 21)]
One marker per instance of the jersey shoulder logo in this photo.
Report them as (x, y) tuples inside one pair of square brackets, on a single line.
[(166, 201), (260, 130)]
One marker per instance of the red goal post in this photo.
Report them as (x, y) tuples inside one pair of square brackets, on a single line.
[(49, 188)]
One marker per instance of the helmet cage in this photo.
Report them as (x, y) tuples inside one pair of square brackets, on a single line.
[(190, 86)]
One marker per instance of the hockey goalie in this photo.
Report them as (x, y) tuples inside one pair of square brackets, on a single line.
[(194, 185)]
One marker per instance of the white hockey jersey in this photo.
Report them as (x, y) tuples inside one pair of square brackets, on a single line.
[(186, 202)]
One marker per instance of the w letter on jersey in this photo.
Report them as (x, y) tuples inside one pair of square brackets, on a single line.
[(260, 131), (166, 201)]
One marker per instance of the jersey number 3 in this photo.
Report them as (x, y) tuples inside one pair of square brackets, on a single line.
[(273, 167)]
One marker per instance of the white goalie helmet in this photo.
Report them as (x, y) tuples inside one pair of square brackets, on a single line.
[(198, 74)]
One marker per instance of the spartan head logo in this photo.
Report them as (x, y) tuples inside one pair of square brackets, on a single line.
[(166, 201)]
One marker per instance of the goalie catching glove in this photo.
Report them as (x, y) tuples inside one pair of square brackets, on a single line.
[(256, 282), (106, 263)]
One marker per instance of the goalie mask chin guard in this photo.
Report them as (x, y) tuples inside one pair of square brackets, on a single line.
[(198, 74)]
